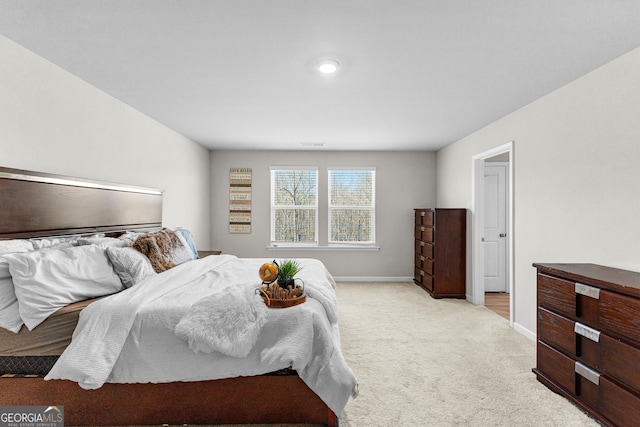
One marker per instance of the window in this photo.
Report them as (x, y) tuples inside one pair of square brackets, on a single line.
[(347, 217), (294, 205), (352, 215)]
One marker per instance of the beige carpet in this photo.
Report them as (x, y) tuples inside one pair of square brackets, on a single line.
[(426, 362)]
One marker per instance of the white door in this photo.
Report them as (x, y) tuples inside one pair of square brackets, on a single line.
[(495, 228)]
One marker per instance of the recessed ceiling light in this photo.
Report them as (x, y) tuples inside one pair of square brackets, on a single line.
[(328, 66), (312, 144)]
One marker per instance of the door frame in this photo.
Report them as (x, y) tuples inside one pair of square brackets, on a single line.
[(477, 253)]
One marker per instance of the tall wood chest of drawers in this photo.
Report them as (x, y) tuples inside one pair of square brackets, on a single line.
[(440, 251), (588, 332)]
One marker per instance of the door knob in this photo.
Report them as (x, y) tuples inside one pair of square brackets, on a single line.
[(503, 235)]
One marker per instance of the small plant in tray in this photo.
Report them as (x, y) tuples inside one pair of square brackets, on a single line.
[(287, 269)]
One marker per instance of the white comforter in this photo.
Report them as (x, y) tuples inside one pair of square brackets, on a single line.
[(129, 337)]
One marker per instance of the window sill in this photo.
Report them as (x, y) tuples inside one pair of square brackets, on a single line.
[(362, 248)]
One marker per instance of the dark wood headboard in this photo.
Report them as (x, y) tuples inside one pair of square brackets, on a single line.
[(35, 204)]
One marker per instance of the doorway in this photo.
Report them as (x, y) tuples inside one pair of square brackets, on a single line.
[(492, 240), (494, 235)]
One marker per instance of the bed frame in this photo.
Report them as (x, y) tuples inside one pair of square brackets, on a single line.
[(34, 204)]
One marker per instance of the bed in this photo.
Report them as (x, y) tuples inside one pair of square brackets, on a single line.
[(36, 205)]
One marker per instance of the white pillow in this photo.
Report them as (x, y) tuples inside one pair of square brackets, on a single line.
[(45, 281), (102, 241), (51, 242), (9, 314), (12, 246), (131, 266), (129, 237), (187, 239)]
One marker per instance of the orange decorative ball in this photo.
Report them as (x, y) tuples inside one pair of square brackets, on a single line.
[(268, 272)]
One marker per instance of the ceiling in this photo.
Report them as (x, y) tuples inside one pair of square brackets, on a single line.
[(240, 74)]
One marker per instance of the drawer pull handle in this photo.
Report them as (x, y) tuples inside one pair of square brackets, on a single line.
[(587, 332), (421, 243), (421, 228), (421, 273), (422, 213), (587, 373), (422, 258), (588, 291)]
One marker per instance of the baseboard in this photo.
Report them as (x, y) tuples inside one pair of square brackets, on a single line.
[(524, 331), (372, 279)]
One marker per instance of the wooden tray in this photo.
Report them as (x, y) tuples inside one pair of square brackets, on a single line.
[(283, 303)]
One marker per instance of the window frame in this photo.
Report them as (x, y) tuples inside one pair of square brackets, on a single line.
[(372, 207), (277, 243)]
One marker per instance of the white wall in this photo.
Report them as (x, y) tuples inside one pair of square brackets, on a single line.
[(51, 121), (577, 176), (404, 180)]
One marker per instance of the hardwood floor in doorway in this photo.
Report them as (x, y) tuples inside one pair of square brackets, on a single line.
[(497, 302)]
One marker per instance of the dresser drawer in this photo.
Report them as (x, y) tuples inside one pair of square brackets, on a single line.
[(577, 340), (594, 387), (557, 294), (424, 249), (619, 360), (574, 377), (423, 279), (557, 331), (424, 233), (599, 391), (556, 366), (620, 315), (621, 405), (427, 281), (424, 218), (604, 353), (574, 300), (616, 314), (424, 263)]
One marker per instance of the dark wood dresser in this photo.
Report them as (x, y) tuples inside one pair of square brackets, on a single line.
[(440, 251), (588, 347)]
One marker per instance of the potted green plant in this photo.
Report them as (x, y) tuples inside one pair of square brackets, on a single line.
[(287, 269)]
